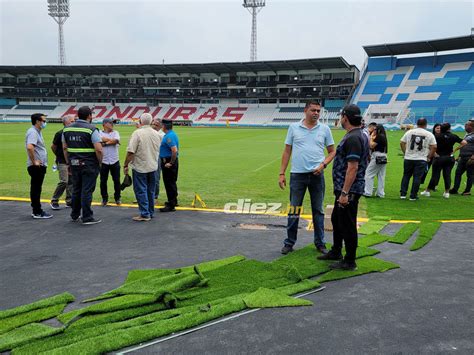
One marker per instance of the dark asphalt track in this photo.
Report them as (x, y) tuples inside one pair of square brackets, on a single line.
[(427, 306)]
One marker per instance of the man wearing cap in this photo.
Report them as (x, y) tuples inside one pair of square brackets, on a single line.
[(169, 151), (305, 143), (350, 163), (83, 152), (65, 181), (142, 153), (110, 160), (36, 163), (419, 147)]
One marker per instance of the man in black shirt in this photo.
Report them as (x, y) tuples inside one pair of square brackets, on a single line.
[(348, 173), (465, 161), (443, 160), (65, 181)]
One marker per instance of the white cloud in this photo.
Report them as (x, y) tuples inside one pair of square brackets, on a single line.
[(134, 32)]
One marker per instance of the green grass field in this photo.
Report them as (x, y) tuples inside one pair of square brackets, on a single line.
[(226, 164)]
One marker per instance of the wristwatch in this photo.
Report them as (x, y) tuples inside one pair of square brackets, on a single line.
[(344, 193), (325, 165)]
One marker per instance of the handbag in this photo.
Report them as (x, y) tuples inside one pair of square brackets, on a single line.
[(381, 160)]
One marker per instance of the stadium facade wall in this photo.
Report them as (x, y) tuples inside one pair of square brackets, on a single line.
[(401, 90)]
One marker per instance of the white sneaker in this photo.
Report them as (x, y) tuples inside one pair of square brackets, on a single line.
[(446, 194), (425, 193)]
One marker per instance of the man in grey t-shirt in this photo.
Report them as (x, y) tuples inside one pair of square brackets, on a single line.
[(37, 163)]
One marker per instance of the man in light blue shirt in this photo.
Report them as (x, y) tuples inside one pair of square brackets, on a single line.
[(305, 144)]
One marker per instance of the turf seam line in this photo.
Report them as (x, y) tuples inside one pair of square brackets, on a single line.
[(192, 330)]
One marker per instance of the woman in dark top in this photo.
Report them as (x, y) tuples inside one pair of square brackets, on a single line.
[(443, 160), (378, 162), (436, 131)]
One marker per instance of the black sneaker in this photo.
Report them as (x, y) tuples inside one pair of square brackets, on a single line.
[(453, 192), (167, 208), (286, 249), (77, 219), (331, 255), (104, 203), (118, 202), (344, 265), (92, 221), (55, 206), (42, 215)]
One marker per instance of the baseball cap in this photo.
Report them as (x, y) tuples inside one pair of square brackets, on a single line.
[(84, 112), (127, 181), (351, 111), (108, 120)]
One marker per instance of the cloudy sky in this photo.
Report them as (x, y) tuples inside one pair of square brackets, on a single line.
[(195, 31)]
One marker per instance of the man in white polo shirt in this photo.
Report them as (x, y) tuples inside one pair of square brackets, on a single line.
[(305, 144), (110, 161)]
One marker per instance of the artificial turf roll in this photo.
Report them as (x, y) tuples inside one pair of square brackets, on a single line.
[(364, 266), (374, 225), (427, 231), (114, 304), (305, 285), (267, 298), (62, 298), (26, 334), (304, 260), (404, 233), (35, 315), (372, 239), (121, 338), (203, 267)]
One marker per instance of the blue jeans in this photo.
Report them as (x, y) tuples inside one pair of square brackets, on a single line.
[(144, 187), (298, 185), (415, 168)]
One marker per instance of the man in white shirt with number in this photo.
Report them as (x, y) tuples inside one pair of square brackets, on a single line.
[(418, 146)]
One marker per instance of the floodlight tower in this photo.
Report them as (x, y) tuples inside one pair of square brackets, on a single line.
[(253, 7), (59, 11)]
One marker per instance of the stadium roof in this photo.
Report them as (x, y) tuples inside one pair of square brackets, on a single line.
[(217, 68), (437, 45)]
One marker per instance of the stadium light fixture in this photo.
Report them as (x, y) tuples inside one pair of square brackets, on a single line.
[(253, 7), (59, 11)]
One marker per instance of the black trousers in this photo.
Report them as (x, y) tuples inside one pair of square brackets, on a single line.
[(84, 179), (462, 168), (170, 177), (104, 176), (414, 168), (344, 223), (37, 174), (443, 164)]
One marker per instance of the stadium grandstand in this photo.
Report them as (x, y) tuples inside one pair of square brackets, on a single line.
[(398, 91), (263, 93)]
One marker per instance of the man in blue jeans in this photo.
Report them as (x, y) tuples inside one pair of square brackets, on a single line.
[(305, 144), (142, 154)]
